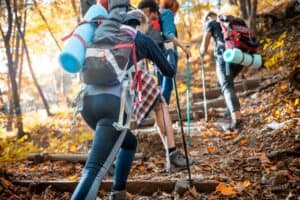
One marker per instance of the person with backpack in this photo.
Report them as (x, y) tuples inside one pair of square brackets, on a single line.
[(225, 72), (104, 103), (163, 30), (153, 100)]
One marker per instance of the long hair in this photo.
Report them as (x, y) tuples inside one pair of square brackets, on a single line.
[(170, 4)]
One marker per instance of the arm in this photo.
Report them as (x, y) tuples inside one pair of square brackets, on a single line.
[(169, 30), (205, 43), (147, 48)]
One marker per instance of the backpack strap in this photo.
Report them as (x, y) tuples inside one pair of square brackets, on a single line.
[(125, 84), (137, 81), (97, 21)]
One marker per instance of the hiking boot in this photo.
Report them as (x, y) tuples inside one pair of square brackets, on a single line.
[(234, 125), (118, 195), (178, 159)]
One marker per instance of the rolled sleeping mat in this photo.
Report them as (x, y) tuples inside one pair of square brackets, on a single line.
[(257, 63), (72, 56), (236, 56)]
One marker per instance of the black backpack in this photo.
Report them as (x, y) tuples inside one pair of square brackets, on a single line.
[(108, 56)]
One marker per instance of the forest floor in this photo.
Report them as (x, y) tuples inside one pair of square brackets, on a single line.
[(261, 161)]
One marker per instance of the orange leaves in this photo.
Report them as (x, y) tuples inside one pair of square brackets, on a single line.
[(296, 102), (232, 191), (5, 183), (246, 184), (226, 190), (73, 178), (210, 149), (244, 142), (141, 167)]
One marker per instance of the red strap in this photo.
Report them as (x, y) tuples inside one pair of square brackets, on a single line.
[(137, 82), (124, 45), (81, 39), (77, 35)]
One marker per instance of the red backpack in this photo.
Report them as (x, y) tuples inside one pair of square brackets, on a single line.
[(237, 34)]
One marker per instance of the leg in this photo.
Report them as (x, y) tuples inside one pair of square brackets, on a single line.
[(163, 120), (227, 86), (167, 83), (167, 87), (104, 139), (124, 160), (95, 108)]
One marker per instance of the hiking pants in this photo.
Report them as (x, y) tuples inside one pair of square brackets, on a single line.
[(165, 82), (227, 83), (100, 111)]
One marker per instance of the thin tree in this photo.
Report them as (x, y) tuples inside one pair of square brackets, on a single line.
[(248, 10), (47, 24), (22, 48), (8, 50), (21, 35)]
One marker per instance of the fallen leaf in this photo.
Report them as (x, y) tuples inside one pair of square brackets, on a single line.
[(32, 169), (246, 184), (296, 103), (73, 178), (213, 197), (244, 142), (141, 168), (226, 190), (73, 149), (211, 149), (5, 183), (204, 135)]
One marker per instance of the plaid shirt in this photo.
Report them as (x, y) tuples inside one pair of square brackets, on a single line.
[(150, 93)]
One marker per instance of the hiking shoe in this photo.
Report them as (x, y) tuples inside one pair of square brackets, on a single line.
[(178, 159), (234, 125), (118, 195)]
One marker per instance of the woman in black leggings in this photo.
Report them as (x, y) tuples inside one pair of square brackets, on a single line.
[(101, 106)]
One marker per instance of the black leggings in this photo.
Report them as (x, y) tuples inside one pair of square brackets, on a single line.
[(100, 111)]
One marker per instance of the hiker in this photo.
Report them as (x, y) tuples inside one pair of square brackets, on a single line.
[(100, 108), (154, 100), (164, 19), (226, 81)]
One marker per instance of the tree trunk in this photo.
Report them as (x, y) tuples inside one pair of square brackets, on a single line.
[(32, 72), (10, 106), (22, 50), (47, 24), (248, 12), (6, 39), (74, 6), (243, 9), (252, 16), (85, 5), (233, 2)]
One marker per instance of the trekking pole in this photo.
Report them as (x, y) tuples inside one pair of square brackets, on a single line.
[(182, 133), (204, 89), (188, 103)]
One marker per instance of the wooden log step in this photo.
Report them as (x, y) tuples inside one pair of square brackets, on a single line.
[(239, 86), (81, 158), (174, 118), (141, 187)]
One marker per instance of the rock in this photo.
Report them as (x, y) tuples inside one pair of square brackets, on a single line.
[(181, 187)]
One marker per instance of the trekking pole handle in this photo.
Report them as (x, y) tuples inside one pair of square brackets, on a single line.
[(187, 56)]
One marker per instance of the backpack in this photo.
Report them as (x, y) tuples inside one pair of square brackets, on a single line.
[(155, 31), (237, 34), (108, 56)]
